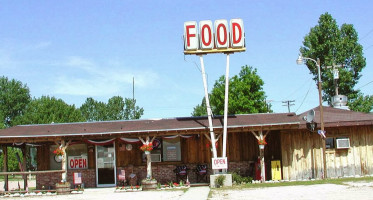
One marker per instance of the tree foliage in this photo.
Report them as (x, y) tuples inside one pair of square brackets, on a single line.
[(335, 45), (117, 108), (246, 95), (13, 165), (14, 97), (46, 110), (362, 103)]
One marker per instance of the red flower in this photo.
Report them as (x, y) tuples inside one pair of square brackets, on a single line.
[(58, 151), (262, 142), (146, 147)]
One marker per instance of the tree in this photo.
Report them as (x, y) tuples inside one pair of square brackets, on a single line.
[(14, 97), (334, 45), (246, 95), (115, 109), (93, 110), (46, 110), (362, 104)]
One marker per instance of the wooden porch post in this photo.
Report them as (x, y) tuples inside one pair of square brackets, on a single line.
[(261, 137), (5, 167), (63, 147), (24, 166), (148, 157)]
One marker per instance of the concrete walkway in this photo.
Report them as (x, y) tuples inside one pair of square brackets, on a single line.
[(196, 193)]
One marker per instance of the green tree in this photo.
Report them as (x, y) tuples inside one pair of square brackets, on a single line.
[(12, 159), (334, 45), (246, 95), (14, 97), (117, 108), (93, 110), (46, 110), (362, 103)]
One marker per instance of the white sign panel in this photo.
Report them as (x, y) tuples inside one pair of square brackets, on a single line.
[(206, 39), (77, 162), (190, 35), (219, 163), (222, 35), (214, 39), (237, 34)]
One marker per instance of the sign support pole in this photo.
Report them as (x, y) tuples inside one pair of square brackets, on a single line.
[(209, 112), (226, 108)]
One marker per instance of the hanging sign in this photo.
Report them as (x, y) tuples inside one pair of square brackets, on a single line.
[(219, 163), (77, 162), (214, 39)]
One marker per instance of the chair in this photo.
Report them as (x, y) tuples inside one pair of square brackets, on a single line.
[(122, 177), (181, 173), (201, 172)]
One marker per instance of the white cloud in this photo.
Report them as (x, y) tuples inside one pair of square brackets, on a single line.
[(87, 78)]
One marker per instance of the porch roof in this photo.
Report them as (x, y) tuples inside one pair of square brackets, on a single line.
[(135, 128)]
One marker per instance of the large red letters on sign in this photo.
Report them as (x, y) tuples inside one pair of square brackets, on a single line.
[(206, 39), (78, 163)]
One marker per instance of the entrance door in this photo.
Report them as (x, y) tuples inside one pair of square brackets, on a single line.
[(105, 165)]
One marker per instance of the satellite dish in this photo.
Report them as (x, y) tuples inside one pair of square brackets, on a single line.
[(310, 116)]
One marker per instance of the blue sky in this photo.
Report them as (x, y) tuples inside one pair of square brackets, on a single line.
[(78, 49)]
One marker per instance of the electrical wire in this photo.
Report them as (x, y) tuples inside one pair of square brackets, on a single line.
[(309, 88)]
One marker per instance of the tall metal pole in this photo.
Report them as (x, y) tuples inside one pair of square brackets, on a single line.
[(322, 119), (226, 108), (209, 112)]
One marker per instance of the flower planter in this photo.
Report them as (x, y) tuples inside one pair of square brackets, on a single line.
[(149, 184), (261, 146), (63, 188), (147, 152)]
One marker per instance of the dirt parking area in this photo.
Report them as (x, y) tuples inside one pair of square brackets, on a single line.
[(356, 190)]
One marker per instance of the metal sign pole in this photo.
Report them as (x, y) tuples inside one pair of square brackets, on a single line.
[(209, 112), (226, 108)]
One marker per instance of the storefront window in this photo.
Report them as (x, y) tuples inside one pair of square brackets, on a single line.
[(76, 157)]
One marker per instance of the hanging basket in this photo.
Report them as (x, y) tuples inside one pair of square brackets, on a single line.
[(147, 152), (261, 146)]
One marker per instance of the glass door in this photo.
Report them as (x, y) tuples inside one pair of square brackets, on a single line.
[(105, 165)]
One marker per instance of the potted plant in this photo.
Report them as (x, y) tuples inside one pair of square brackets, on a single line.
[(262, 143)]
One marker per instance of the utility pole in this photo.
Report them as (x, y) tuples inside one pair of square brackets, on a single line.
[(288, 103)]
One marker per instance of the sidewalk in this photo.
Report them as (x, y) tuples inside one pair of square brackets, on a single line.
[(196, 193)]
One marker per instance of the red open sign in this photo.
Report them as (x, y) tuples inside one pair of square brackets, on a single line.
[(220, 163), (77, 162)]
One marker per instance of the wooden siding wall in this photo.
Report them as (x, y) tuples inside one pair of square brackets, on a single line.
[(358, 159), (302, 154), (241, 147)]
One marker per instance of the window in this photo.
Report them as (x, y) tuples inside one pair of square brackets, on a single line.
[(329, 143), (72, 150)]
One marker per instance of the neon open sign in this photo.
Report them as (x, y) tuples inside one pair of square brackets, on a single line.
[(214, 39)]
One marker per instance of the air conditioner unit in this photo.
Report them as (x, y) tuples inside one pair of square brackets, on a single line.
[(343, 143), (155, 157)]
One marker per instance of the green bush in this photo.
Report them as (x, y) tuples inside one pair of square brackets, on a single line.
[(220, 180)]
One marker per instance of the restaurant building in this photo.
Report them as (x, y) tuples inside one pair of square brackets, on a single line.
[(101, 150)]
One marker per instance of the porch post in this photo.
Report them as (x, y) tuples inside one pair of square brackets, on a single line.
[(5, 167), (24, 166)]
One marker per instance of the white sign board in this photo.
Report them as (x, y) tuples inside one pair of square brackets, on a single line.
[(77, 162), (219, 163), (217, 39)]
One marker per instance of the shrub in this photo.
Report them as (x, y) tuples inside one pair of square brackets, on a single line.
[(220, 180)]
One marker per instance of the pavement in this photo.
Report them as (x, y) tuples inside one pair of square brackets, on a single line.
[(196, 193)]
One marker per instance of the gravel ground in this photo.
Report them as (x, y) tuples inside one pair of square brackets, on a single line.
[(354, 190), (360, 191)]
